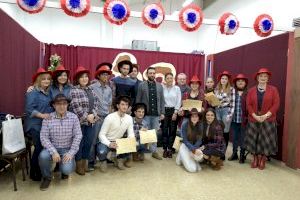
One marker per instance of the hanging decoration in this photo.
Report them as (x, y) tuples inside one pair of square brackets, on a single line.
[(153, 15), (31, 6), (229, 24), (191, 17), (263, 25), (116, 11), (76, 8)]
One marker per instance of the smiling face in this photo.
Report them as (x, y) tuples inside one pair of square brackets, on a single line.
[(224, 80), (169, 79), (125, 69), (151, 74), (241, 84), (263, 78), (210, 117), (195, 118), (195, 86), (181, 79), (44, 80), (83, 80), (134, 73), (62, 78), (209, 83)]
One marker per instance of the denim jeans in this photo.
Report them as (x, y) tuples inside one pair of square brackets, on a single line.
[(222, 114), (88, 135), (93, 153), (45, 161), (34, 162), (103, 150), (238, 136), (153, 123)]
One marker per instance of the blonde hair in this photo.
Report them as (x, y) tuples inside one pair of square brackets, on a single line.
[(39, 78), (227, 88)]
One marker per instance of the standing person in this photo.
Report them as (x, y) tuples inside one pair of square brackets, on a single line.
[(181, 82), (152, 95), (133, 75), (60, 137), (37, 108), (226, 94), (172, 96), (239, 118), (209, 85), (60, 83), (85, 104), (262, 104)]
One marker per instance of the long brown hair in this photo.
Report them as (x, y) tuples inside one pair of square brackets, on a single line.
[(194, 132), (213, 125), (227, 88)]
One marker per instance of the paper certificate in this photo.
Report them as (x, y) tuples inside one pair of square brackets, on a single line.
[(177, 143), (189, 104), (126, 145), (148, 136), (212, 99)]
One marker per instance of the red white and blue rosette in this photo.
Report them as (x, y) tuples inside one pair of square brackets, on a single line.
[(191, 17), (153, 15), (31, 6), (263, 25), (76, 8), (228, 23), (116, 11)]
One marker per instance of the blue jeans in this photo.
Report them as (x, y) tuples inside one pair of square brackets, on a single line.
[(34, 162), (153, 123), (88, 135), (45, 161), (93, 153), (222, 114), (238, 136), (103, 150)]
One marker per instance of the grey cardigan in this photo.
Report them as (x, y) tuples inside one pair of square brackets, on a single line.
[(143, 96)]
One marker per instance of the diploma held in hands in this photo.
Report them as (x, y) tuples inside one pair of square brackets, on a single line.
[(148, 136), (177, 143), (189, 104), (126, 145), (212, 99)]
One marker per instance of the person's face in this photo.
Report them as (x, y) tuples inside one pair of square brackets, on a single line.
[(195, 86), (61, 107), (209, 83), (224, 80), (63, 78), (210, 117), (151, 74), (83, 80), (45, 80), (263, 78), (134, 73), (195, 118), (181, 80), (139, 113), (123, 106), (241, 84), (169, 80), (125, 70), (103, 77)]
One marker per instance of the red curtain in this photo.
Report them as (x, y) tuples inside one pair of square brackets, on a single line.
[(19, 57), (247, 59)]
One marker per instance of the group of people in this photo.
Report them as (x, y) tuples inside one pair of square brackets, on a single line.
[(76, 125)]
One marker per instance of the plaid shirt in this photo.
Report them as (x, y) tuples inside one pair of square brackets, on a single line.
[(238, 112), (226, 100), (104, 93), (217, 142), (80, 104), (61, 133), (137, 127)]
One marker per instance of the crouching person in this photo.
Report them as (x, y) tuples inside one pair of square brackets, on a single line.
[(115, 126), (60, 137)]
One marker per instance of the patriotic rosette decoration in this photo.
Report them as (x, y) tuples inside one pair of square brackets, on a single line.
[(229, 24), (153, 15), (76, 8), (191, 17), (263, 25), (116, 11), (31, 6)]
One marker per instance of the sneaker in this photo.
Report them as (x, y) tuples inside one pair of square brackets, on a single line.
[(45, 184), (90, 168), (156, 156), (103, 166)]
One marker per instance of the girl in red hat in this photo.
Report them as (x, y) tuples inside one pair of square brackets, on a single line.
[(60, 83), (262, 104), (226, 94), (85, 105)]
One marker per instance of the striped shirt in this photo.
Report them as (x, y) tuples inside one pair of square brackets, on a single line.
[(237, 117), (226, 100)]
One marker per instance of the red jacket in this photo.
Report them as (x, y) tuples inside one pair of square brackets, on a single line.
[(270, 103)]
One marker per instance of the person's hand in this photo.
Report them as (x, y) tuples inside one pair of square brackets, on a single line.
[(162, 117), (180, 112), (67, 158), (174, 117), (29, 89), (56, 157), (263, 118), (144, 129), (44, 116), (198, 152), (228, 118), (113, 145), (257, 118), (202, 148), (91, 118)]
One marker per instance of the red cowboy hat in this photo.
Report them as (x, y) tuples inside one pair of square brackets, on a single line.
[(195, 79), (39, 72), (80, 70), (262, 70), (103, 69), (60, 68), (240, 76), (226, 73)]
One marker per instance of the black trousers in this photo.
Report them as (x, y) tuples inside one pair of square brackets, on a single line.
[(169, 128)]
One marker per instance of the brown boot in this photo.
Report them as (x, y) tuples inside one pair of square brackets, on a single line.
[(156, 156), (119, 164), (254, 162), (79, 168), (142, 156), (216, 162), (135, 157), (85, 165), (128, 163)]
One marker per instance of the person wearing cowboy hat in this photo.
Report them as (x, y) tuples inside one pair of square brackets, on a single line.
[(190, 151), (238, 124), (263, 102), (85, 104), (60, 137), (60, 84), (226, 94), (104, 93), (37, 108)]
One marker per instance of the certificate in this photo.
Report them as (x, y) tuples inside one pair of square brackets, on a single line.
[(126, 145), (177, 143), (189, 104), (148, 136), (212, 99)]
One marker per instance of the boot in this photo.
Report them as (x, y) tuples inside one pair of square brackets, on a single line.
[(216, 162), (103, 166), (233, 157), (141, 156), (170, 153), (254, 162), (242, 157), (120, 165), (165, 154), (79, 168), (128, 163), (262, 162), (85, 166), (156, 156), (135, 157)]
